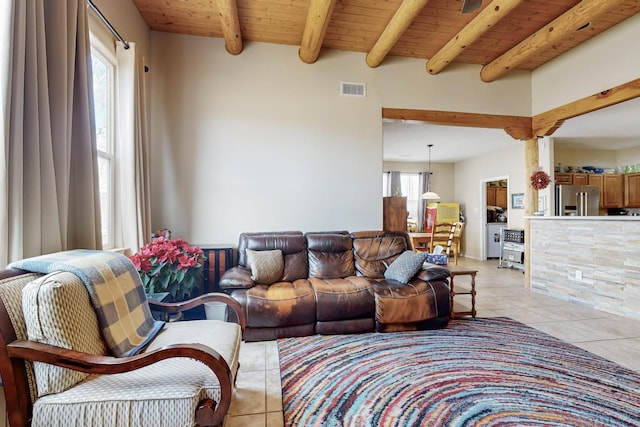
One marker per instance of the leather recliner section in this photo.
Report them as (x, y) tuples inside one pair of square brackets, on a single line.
[(333, 283)]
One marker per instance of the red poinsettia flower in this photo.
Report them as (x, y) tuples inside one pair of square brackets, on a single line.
[(167, 265)]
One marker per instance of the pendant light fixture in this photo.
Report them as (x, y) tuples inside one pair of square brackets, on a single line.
[(430, 195)]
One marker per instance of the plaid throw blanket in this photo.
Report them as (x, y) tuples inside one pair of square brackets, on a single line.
[(115, 289)]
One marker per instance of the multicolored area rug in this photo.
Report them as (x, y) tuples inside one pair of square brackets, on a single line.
[(476, 372)]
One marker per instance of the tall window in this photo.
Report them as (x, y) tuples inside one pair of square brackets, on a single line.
[(104, 97), (410, 188)]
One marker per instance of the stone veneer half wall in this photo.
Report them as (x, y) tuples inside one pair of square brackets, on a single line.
[(605, 250)]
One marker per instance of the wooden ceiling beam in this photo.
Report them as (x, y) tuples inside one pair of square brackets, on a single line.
[(546, 123), (397, 25), (518, 127), (486, 19), (561, 27), (315, 28), (230, 25)]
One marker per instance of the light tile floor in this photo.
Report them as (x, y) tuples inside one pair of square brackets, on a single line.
[(500, 292)]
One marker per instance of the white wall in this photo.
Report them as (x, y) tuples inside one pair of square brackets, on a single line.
[(602, 158), (628, 156), (570, 156), (470, 175), (261, 141), (603, 62), (405, 83)]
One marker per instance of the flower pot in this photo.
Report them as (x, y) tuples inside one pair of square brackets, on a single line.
[(215, 311)]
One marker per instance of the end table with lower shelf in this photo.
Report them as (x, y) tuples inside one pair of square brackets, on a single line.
[(218, 258), (472, 291)]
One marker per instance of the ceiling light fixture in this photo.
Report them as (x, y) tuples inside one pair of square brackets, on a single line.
[(430, 195)]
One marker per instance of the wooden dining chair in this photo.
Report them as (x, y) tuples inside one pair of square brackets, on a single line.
[(442, 234), (456, 240)]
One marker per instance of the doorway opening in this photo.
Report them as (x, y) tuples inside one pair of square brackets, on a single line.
[(494, 214)]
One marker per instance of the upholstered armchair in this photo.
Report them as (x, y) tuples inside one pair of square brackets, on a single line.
[(58, 369)]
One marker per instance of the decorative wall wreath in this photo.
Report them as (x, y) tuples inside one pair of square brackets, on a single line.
[(540, 180)]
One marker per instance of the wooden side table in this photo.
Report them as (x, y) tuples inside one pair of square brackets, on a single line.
[(217, 260), (472, 292)]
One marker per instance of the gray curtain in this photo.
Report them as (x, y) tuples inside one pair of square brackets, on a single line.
[(422, 204), (394, 184), (49, 167)]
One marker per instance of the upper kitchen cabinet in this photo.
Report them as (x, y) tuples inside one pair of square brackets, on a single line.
[(598, 181), (611, 189), (580, 179), (563, 178), (501, 197), (497, 196), (566, 178), (632, 190), (612, 192)]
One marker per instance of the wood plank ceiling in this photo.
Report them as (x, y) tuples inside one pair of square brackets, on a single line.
[(501, 35)]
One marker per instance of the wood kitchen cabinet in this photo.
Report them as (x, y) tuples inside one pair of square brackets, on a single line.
[(491, 196), (598, 181), (563, 178), (580, 178), (497, 196), (501, 197), (632, 190), (612, 191)]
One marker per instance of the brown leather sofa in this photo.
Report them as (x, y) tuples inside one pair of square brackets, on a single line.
[(333, 283)]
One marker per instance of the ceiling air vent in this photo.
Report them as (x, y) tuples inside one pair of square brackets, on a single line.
[(353, 89)]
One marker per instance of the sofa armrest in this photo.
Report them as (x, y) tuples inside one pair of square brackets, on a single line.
[(94, 364), (178, 307), (432, 273), (237, 278)]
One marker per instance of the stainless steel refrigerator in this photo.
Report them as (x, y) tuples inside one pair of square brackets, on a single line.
[(578, 200)]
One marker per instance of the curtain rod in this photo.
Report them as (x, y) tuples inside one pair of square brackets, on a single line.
[(107, 23), (419, 173)]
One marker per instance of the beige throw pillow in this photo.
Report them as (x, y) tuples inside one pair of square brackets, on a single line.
[(57, 311), (267, 267)]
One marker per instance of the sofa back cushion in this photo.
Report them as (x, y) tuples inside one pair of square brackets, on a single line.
[(375, 250), (330, 255), (291, 243)]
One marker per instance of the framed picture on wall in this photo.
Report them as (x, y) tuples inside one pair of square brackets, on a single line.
[(517, 201)]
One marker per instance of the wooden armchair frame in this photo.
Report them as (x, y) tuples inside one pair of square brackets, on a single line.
[(13, 352)]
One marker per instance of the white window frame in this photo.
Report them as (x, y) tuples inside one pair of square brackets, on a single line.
[(108, 57)]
